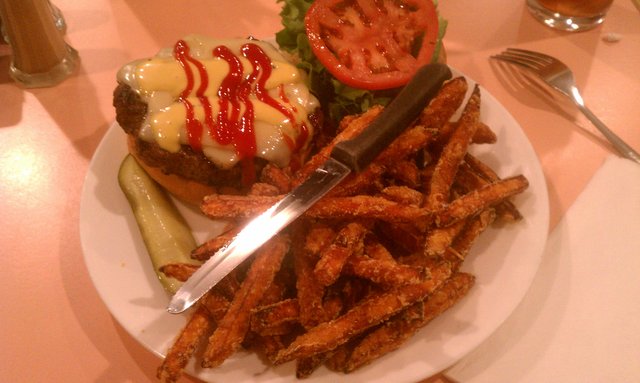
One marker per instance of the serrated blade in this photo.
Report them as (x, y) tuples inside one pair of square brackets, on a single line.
[(257, 232)]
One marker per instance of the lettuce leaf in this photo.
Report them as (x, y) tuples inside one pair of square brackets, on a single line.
[(338, 100)]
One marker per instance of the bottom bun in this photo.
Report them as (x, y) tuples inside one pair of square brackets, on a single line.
[(188, 191)]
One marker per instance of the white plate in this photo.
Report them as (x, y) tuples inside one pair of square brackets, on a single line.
[(504, 261)]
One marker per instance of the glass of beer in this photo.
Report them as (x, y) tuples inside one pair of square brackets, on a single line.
[(570, 15)]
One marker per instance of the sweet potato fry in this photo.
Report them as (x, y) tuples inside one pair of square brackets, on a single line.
[(179, 271), (453, 154), (407, 144), (397, 330), (445, 104), (388, 273), (372, 311), (367, 207), (216, 304), (268, 345), (439, 239), (263, 188), (406, 173), (361, 206), (332, 305), (340, 357), (471, 231), (469, 179), (375, 250), (211, 246), (231, 330), (198, 326), (318, 237), (506, 210), (277, 177), (333, 258), (484, 134), (367, 181), (404, 236), (354, 127), (309, 291), (306, 366), (403, 194), (265, 318), (476, 201)]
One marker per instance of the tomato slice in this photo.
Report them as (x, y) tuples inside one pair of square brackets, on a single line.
[(372, 44)]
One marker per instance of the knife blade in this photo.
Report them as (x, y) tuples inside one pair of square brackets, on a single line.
[(347, 156)]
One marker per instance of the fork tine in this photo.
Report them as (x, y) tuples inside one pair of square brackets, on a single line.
[(534, 55), (515, 60), (539, 61), (521, 60)]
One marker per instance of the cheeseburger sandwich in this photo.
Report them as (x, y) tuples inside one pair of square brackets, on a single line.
[(207, 114)]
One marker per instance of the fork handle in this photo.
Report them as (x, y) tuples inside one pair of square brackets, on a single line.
[(622, 147)]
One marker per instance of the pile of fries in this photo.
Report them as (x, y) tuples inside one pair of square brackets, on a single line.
[(367, 266)]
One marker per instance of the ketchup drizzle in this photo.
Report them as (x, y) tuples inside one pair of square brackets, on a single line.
[(236, 115)]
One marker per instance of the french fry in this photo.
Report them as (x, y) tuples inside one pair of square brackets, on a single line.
[(469, 179), (439, 239), (453, 153), (375, 250), (266, 318), (477, 200), (359, 183), (211, 246), (472, 229), (215, 304), (277, 177), (406, 173), (263, 188), (361, 206), (388, 273), (179, 271), (350, 129), (231, 330), (403, 194), (198, 326), (306, 366), (367, 207), (348, 241), (372, 311), (406, 145), (269, 346), (506, 210), (319, 237), (397, 330), (484, 134), (309, 291), (445, 104)]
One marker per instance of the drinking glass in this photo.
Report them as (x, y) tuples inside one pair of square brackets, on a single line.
[(570, 15)]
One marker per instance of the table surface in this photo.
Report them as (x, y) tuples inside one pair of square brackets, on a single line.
[(54, 326)]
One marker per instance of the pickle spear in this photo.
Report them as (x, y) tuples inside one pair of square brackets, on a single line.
[(165, 233)]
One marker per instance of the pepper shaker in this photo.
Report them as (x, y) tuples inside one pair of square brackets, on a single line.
[(41, 57)]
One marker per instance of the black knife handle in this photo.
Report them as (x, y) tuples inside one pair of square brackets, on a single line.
[(358, 152)]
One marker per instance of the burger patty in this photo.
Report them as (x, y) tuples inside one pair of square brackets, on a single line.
[(131, 111)]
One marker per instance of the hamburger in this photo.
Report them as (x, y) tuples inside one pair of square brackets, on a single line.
[(209, 114), (170, 105)]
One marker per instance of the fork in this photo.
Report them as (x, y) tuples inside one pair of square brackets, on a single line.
[(557, 75)]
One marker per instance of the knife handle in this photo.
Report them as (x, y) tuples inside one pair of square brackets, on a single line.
[(358, 152)]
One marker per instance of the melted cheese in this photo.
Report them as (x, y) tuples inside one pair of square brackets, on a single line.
[(161, 80)]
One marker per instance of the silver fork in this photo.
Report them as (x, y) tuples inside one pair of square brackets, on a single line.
[(557, 75)]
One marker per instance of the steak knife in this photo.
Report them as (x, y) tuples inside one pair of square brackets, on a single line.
[(347, 156)]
